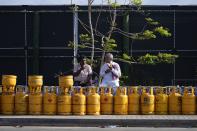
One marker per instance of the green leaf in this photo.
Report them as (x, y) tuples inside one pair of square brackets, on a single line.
[(110, 44), (167, 58), (163, 31), (126, 57), (82, 46), (146, 35), (137, 2), (71, 44), (149, 34), (148, 59), (85, 38), (115, 5), (151, 21), (155, 59), (113, 45)]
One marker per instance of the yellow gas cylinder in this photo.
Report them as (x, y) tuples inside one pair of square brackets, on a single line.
[(147, 101), (175, 101), (0, 96), (188, 101), (78, 102), (7, 98), (21, 100), (66, 81), (121, 102), (161, 101), (1, 88), (35, 83), (7, 103), (0, 103), (49, 100), (35, 104), (9, 82), (93, 102), (134, 101), (106, 101), (64, 106)]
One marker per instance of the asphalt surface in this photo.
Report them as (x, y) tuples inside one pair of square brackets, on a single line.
[(102, 121), (31, 128)]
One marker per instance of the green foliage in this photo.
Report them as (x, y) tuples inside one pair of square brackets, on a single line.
[(148, 59), (155, 59), (167, 58), (146, 35), (123, 80), (71, 44), (163, 31), (82, 46), (126, 57), (151, 21), (149, 34), (136, 2), (85, 41), (113, 4), (110, 45), (85, 38)]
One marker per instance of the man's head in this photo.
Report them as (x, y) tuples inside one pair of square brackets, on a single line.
[(108, 58), (82, 60)]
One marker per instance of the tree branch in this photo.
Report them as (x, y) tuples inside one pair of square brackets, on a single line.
[(97, 20), (91, 47), (91, 28), (97, 33), (84, 26)]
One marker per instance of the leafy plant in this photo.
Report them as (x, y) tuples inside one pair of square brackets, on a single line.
[(151, 21), (110, 45), (124, 80), (85, 38), (167, 58), (155, 59), (148, 59), (126, 57), (163, 31)]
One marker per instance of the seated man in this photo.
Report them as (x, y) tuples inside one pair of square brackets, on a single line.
[(82, 73), (110, 73)]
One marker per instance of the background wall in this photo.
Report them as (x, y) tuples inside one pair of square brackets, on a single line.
[(33, 40)]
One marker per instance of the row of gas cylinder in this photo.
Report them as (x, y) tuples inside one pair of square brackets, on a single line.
[(92, 100), (83, 101)]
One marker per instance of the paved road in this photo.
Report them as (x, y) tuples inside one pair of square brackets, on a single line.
[(4, 128), (103, 120)]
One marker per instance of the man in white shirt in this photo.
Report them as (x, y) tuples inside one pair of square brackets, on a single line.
[(82, 73), (110, 73)]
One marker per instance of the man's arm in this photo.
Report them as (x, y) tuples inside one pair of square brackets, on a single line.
[(77, 72), (116, 70)]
